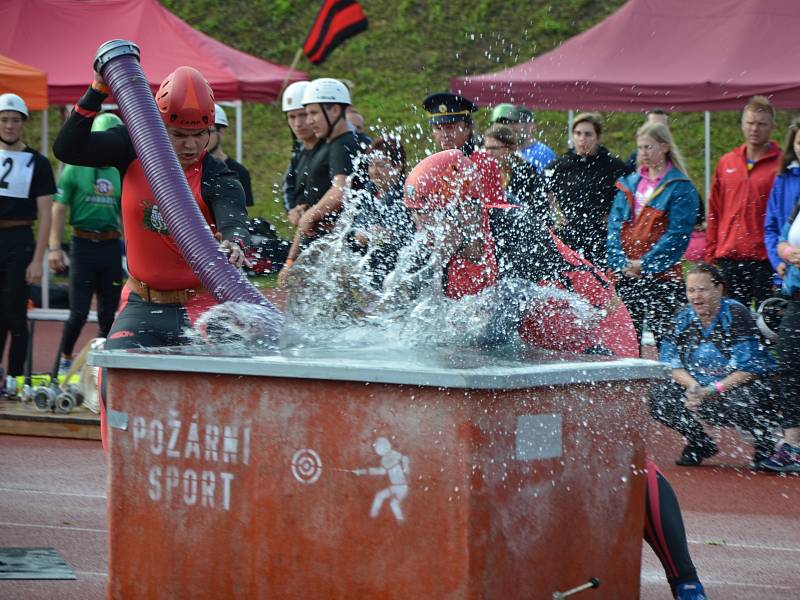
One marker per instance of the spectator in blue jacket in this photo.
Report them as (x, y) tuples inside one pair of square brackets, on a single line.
[(523, 124), (782, 199), (786, 458), (719, 371), (651, 221)]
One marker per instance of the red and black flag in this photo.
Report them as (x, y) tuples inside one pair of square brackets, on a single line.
[(336, 21)]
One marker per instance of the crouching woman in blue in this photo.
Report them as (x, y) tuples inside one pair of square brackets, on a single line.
[(649, 227), (718, 371)]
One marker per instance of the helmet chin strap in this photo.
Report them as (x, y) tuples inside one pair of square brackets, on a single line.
[(7, 143), (328, 120)]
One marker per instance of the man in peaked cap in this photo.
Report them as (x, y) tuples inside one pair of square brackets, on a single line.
[(451, 120)]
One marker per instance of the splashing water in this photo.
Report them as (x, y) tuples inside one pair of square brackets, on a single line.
[(333, 299)]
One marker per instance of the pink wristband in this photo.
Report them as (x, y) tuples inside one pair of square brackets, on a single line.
[(788, 249), (719, 387)]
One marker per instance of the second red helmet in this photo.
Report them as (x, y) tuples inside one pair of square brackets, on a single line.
[(441, 179), (186, 100)]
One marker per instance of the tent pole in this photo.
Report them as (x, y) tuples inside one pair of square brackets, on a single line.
[(708, 153), (570, 119), (43, 134), (45, 283), (238, 131)]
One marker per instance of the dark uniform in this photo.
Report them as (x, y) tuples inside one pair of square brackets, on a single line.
[(308, 176), (25, 176), (243, 175)]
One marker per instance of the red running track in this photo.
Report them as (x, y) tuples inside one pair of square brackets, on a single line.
[(743, 527)]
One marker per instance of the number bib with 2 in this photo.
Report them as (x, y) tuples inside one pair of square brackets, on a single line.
[(16, 173)]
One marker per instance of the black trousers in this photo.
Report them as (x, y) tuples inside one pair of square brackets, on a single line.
[(16, 252), (664, 530), (748, 406), (787, 351), (651, 300), (95, 268), (748, 280), (142, 324)]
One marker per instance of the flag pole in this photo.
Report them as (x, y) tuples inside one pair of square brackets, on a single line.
[(296, 60)]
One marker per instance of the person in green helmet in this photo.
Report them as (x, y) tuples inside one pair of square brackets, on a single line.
[(500, 113), (92, 195)]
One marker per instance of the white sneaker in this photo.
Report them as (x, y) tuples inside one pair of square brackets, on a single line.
[(63, 366)]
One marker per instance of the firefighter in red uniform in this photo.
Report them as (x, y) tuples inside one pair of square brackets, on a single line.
[(444, 195), (163, 296)]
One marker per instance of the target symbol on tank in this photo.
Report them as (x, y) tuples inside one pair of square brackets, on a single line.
[(306, 466)]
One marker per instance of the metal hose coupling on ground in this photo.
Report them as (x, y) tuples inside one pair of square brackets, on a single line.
[(118, 63)]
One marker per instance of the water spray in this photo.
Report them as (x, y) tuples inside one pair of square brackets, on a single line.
[(118, 63)]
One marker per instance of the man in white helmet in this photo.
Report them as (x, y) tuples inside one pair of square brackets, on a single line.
[(215, 149), (27, 186), (326, 101), (307, 178)]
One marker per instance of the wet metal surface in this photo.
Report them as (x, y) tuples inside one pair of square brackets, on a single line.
[(502, 368)]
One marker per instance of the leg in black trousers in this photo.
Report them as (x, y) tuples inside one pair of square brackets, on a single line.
[(108, 286), (16, 253), (787, 353), (667, 407), (96, 267), (748, 280), (664, 530), (653, 301)]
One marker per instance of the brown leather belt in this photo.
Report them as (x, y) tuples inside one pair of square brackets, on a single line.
[(96, 236), (148, 294), (8, 224)]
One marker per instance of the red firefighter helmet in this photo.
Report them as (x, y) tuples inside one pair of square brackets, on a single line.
[(186, 100), (441, 179)]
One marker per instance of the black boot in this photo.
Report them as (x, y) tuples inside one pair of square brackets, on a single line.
[(695, 451)]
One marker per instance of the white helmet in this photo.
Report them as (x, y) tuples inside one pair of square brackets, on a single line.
[(326, 90), (220, 118), (770, 313), (293, 96), (13, 102)]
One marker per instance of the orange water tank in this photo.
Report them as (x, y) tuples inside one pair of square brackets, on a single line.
[(322, 477)]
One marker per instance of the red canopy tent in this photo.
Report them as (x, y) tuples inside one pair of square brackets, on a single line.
[(61, 37), (27, 82), (683, 55)]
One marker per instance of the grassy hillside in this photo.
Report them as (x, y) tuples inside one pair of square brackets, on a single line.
[(413, 48)]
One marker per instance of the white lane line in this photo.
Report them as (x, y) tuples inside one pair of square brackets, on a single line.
[(89, 529), (27, 491), (715, 544), (654, 576)]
